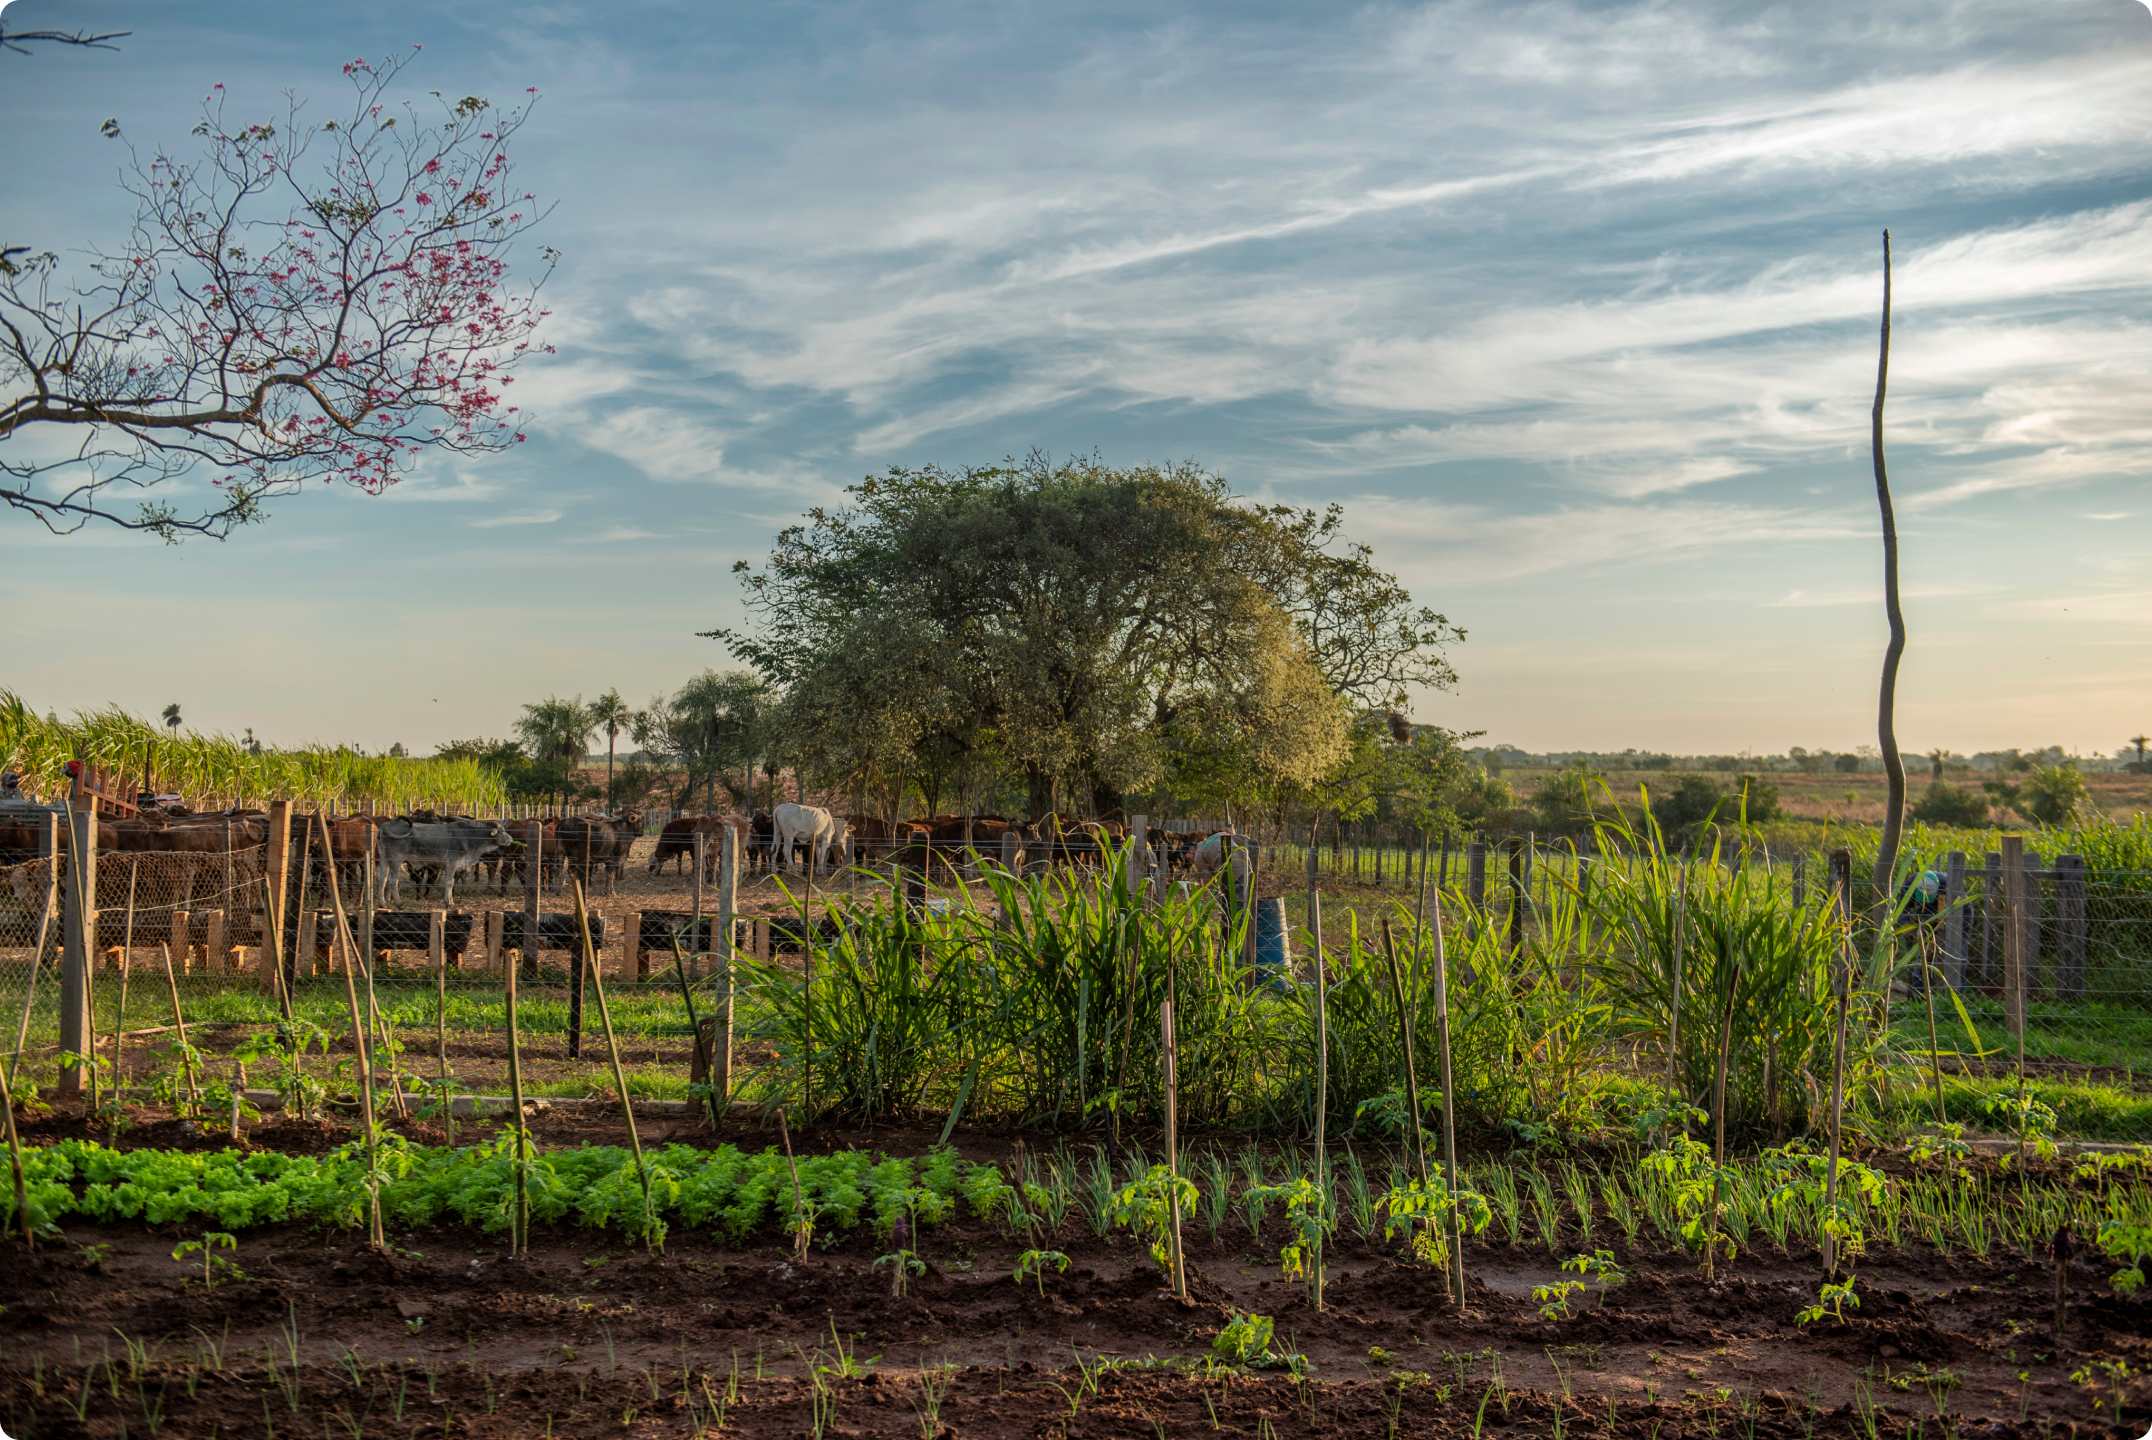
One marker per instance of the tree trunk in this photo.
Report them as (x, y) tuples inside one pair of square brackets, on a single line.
[(1887, 701)]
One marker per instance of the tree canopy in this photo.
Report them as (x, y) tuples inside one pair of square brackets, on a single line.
[(1100, 632)]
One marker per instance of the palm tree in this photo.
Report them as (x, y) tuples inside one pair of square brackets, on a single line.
[(557, 729), (171, 717), (611, 714), (2140, 741)]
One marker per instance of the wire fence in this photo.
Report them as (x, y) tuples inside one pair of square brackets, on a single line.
[(182, 910)]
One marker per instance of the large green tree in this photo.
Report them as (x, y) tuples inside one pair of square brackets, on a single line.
[(1098, 632)]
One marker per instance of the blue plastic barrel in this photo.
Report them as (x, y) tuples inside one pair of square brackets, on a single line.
[(1270, 942)]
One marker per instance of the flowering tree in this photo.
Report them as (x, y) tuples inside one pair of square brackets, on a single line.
[(304, 301)]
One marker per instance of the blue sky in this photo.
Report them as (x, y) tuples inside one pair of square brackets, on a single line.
[(1573, 307)]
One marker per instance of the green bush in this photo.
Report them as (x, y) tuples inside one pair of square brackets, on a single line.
[(1943, 803)]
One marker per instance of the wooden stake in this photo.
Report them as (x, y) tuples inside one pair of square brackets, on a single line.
[(119, 1018), (1404, 1038), (2061, 1248), (1674, 979), (179, 1023), (1718, 1108), (7, 1097), (1838, 1099), (440, 1031), (361, 1042), (1322, 1069), (798, 1204), (620, 1079), (728, 890), (1449, 1099), (1179, 1278), (519, 1226)]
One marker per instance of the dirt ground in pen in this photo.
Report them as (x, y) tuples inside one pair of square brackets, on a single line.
[(589, 1336)]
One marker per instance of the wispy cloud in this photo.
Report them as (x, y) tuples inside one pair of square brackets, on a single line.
[(525, 517)]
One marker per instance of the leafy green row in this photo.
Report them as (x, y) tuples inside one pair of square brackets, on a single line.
[(725, 1190)]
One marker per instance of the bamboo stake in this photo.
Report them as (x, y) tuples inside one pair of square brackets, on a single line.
[(29, 993), (179, 1023), (1929, 975), (612, 1049), (1674, 979), (361, 1043), (1449, 1100), (694, 1026), (519, 1226), (272, 946), (799, 1230), (440, 1036), (373, 1004), (1404, 1038), (7, 1097), (1173, 1146), (1838, 1096), (119, 1018), (1718, 1110), (14, 1155), (1322, 1071)]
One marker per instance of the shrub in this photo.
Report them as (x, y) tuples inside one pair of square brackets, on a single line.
[(1755, 799), (1691, 802), (1943, 803)]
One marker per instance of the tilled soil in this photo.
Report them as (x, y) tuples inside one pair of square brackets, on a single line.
[(589, 1336)]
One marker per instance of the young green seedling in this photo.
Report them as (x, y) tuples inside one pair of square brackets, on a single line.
[(213, 1264)]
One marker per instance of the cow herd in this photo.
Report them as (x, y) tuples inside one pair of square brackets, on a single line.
[(178, 859), (782, 839)]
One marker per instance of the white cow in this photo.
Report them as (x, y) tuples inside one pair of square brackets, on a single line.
[(453, 845), (802, 825)]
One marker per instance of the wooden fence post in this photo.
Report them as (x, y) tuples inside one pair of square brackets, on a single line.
[(728, 886), (1138, 852), (2014, 934), (634, 959), (79, 932), (1956, 920), (1010, 847), (437, 940), (1476, 878), (216, 954), (2072, 928), (181, 939), (305, 957), (1516, 892), (496, 941)]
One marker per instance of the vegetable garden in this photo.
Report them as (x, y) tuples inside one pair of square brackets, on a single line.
[(1056, 1155)]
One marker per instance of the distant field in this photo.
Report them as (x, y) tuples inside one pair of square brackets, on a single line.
[(1858, 799)]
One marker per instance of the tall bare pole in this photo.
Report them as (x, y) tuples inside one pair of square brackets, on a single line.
[(1887, 701)]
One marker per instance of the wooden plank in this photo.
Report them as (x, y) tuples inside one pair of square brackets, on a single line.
[(2072, 930), (2014, 934), (1957, 920)]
